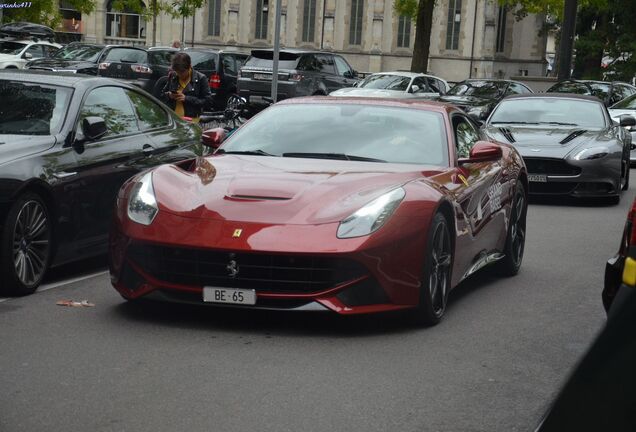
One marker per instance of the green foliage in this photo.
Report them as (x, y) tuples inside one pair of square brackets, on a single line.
[(406, 8), (45, 12), (174, 8)]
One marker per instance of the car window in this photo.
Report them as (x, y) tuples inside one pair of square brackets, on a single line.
[(442, 85), (434, 86), (240, 60), (326, 64), (111, 104), (13, 48), (308, 63), (515, 88), (420, 82), (465, 136), (386, 82), (229, 66), (149, 113), (127, 55), (163, 58), (550, 110), (570, 87), (36, 51), (342, 66), (202, 61), (79, 52), (629, 103), (50, 50)]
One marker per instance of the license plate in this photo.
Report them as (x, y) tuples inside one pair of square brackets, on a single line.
[(258, 76), (229, 296), (537, 178)]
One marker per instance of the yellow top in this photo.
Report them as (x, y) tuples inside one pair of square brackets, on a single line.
[(182, 85)]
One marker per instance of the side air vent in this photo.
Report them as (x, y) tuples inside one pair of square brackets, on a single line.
[(506, 132), (573, 135)]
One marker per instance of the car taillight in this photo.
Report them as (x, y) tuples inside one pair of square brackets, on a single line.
[(215, 81), (103, 66), (295, 77), (141, 69)]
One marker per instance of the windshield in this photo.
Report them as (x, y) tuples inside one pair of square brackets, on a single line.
[(628, 103), (88, 53), (600, 90), (13, 48), (387, 134), (32, 109), (386, 82), (481, 89), (566, 112), (265, 59)]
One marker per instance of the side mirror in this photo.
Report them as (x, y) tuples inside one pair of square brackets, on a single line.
[(483, 151), (414, 88), (94, 128), (213, 137), (626, 120), (348, 74), (27, 56), (354, 73)]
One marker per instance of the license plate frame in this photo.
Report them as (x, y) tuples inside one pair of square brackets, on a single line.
[(538, 178), (232, 296)]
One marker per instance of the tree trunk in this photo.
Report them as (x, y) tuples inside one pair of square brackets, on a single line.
[(154, 22), (423, 26)]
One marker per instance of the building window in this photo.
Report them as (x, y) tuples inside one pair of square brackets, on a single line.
[(454, 22), (262, 10), (125, 24), (355, 28), (214, 18), (501, 28), (404, 32), (71, 18), (309, 20)]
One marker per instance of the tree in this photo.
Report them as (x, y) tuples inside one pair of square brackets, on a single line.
[(45, 12), (422, 12)]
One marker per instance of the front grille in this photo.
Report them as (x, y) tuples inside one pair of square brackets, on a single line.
[(551, 167), (262, 272), (557, 188)]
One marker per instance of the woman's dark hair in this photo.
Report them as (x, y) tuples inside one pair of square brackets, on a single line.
[(181, 62)]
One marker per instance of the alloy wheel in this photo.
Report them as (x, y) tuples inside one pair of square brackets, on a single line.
[(31, 243), (518, 229), (440, 269)]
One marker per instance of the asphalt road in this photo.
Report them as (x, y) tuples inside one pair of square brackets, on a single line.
[(493, 364)]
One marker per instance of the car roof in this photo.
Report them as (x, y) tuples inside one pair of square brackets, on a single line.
[(295, 51), (52, 78), (586, 81), (424, 105), (555, 96), (405, 73)]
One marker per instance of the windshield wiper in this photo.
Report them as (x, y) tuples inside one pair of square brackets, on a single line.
[(339, 156), (514, 122), (559, 123), (257, 152)]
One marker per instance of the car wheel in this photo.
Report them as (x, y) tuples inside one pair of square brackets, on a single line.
[(26, 246), (516, 237), (436, 275)]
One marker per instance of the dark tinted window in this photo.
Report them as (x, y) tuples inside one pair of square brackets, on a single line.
[(36, 51), (265, 59), (79, 52), (126, 55), (516, 88), (240, 59), (387, 82), (483, 89), (150, 114), (570, 87), (308, 62), (11, 47), (204, 61), (420, 82), (50, 50), (163, 58), (629, 103), (32, 109), (466, 136), (326, 64), (229, 66), (342, 66), (111, 104), (435, 86)]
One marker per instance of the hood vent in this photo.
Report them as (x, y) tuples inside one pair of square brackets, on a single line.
[(573, 135), (258, 198), (506, 132)]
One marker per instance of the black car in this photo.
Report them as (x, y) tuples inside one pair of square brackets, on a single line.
[(136, 65), (79, 57), (301, 73), (609, 92), (478, 97), (68, 143)]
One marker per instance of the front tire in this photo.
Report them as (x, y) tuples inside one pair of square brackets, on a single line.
[(516, 237), (436, 275), (26, 246)]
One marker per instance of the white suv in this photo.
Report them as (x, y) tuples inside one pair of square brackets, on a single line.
[(14, 54)]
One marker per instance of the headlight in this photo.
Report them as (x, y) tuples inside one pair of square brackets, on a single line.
[(372, 216), (142, 205), (592, 153)]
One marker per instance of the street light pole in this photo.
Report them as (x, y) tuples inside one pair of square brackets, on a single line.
[(567, 39), (276, 51)]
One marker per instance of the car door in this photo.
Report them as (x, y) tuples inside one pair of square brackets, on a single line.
[(33, 52), (345, 72), (229, 73), (99, 167)]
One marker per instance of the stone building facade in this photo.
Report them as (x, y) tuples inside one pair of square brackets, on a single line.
[(470, 38)]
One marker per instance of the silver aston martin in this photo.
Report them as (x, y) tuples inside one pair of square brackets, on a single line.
[(626, 107), (569, 143)]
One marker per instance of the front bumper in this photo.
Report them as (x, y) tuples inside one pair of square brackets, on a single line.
[(591, 178), (357, 276)]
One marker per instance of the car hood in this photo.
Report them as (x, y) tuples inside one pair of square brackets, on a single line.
[(468, 101), (8, 57), (13, 147), (362, 92), (276, 190), (60, 64), (554, 142)]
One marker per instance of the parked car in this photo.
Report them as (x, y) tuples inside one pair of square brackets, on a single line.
[(620, 270), (79, 57), (326, 204), (569, 143), (401, 85), (478, 97), (137, 66), (626, 107), (608, 92), (301, 73), (16, 53), (68, 144)]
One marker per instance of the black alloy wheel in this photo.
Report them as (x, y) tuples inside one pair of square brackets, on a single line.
[(516, 238), (26, 246), (436, 276)]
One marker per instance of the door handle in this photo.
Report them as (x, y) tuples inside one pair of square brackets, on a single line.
[(147, 150), (63, 175)]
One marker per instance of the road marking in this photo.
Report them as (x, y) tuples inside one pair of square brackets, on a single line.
[(61, 283)]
